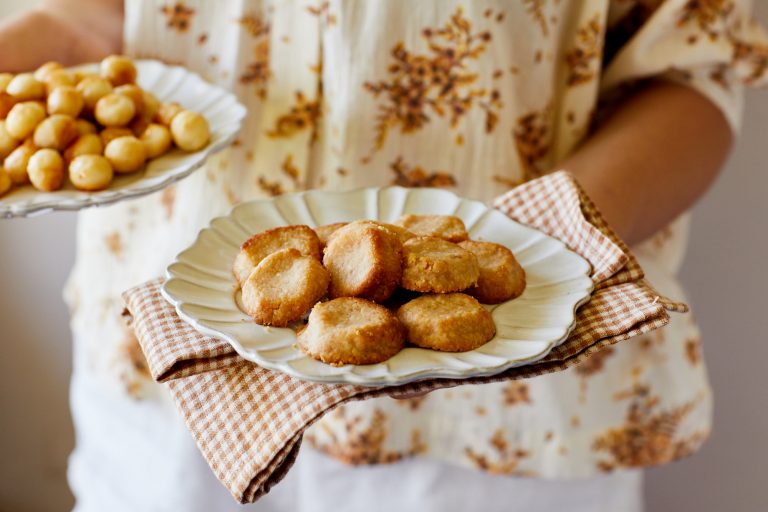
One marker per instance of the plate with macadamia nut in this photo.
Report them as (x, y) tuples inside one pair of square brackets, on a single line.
[(379, 286), (95, 134)]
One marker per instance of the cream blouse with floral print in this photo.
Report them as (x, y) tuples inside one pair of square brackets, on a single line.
[(474, 96)]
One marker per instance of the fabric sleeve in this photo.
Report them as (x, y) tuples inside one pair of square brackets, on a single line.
[(714, 46)]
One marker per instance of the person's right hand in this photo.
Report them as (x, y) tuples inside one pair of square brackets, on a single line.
[(66, 31)]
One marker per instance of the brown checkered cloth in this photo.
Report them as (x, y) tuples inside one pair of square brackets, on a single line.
[(248, 421)]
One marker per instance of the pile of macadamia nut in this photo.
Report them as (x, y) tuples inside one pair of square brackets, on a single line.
[(91, 126)]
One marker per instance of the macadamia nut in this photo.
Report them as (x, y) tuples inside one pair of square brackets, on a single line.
[(65, 100), (118, 69), (126, 154), (55, 132), (24, 118), (114, 110), (46, 170), (190, 131), (90, 172)]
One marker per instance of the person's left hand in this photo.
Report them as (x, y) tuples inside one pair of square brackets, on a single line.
[(66, 31)]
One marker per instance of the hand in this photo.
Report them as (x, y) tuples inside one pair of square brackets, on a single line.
[(66, 31)]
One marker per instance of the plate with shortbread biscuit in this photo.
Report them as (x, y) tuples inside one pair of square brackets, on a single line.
[(379, 286)]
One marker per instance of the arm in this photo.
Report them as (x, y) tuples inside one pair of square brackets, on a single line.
[(67, 31), (652, 159)]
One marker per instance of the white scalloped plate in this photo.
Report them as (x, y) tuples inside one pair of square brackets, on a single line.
[(201, 287), (169, 83)]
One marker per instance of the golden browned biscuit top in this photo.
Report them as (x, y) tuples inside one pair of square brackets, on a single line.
[(324, 233), (447, 227), (501, 276), (350, 330), (435, 265), (364, 260), (451, 322), (283, 287), (261, 245)]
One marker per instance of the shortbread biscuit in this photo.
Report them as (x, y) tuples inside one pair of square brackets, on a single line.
[(501, 276), (452, 322), (351, 330), (435, 265), (261, 245), (283, 287), (402, 234), (364, 261), (325, 232), (447, 227)]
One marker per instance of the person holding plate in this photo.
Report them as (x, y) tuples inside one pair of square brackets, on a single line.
[(639, 99)]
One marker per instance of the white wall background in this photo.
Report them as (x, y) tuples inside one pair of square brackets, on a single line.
[(725, 273)]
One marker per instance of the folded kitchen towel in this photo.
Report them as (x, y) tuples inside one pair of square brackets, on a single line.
[(248, 421)]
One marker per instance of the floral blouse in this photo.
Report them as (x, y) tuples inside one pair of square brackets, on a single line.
[(474, 96)]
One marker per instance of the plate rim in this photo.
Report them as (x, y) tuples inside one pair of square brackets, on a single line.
[(352, 378)]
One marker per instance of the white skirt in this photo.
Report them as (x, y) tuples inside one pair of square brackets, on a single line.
[(137, 455)]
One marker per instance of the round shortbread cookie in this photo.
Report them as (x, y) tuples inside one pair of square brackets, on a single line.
[(349, 330), (365, 261), (501, 276), (447, 227), (452, 322), (261, 245), (283, 287), (324, 233), (434, 265)]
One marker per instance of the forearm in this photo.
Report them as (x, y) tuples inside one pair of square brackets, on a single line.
[(67, 31), (652, 159)]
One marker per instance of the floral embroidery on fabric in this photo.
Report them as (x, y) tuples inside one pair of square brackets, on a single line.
[(416, 176), (507, 458), (257, 71), (232, 198), (718, 75), (490, 13), (290, 169), (168, 198), (114, 244), (709, 15), (532, 136), (412, 403), (324, 12), (592, 365), (365, 445), (662, 236), (535, 9), (132, 367), (585, 53), (647, 436), (515, 393), (439, 82), (178, 16), (272, 188), (254, 24), (693, 351), (302, 115), (755, 57)]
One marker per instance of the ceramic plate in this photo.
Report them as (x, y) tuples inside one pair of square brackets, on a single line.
[(201, 287), (169, 83)]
